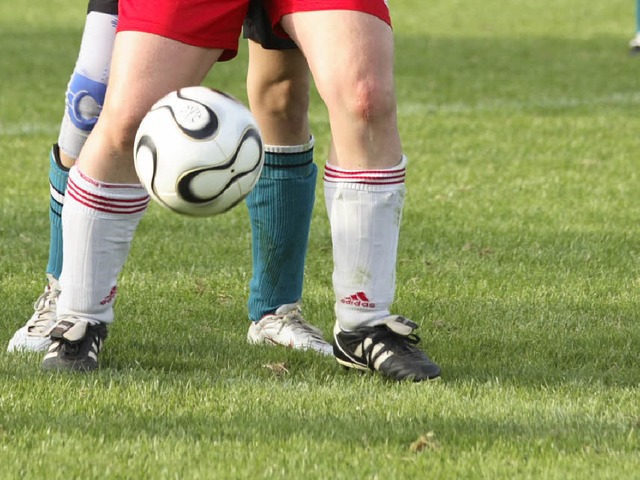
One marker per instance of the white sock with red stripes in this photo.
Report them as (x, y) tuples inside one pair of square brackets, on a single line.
[(365, 209), (98, 223)]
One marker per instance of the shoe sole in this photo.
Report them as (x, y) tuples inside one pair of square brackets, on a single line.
[(22, 345)]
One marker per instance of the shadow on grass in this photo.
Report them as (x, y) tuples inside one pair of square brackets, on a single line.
[(567, 347)]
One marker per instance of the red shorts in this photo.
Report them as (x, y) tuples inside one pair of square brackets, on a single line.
[(218, 23), (202, 23), (278, 8)]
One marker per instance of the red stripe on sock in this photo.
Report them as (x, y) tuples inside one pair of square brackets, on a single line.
[(106, 204), (368, 177)]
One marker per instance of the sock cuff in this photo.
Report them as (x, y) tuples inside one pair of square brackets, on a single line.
[(291, 149), (58, 177), (289, 161), (107, 198), (56, 160), (384, 178)]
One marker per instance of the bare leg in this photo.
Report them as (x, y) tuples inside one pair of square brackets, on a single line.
[(355, 80), (136, 83), (281, 204)]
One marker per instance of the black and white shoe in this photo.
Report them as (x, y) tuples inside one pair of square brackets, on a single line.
[(389, 348), (75, 345)]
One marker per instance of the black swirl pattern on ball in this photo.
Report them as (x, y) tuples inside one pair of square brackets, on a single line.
[(207, 131), (184, 183), (147, 142)]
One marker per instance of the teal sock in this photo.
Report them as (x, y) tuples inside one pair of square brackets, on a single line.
[(280, 208), (58, 175)]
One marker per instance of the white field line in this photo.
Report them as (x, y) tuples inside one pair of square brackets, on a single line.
[(27, 129), (555, 103), (407, 108)]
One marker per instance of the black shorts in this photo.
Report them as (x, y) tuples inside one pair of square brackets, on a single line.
[(257, 27), (103, 6)]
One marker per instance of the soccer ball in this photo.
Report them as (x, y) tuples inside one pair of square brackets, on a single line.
[(198, 151)]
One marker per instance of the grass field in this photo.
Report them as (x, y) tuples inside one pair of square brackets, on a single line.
[(519, 257)]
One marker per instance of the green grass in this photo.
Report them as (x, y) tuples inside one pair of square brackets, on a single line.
[(519, 256)]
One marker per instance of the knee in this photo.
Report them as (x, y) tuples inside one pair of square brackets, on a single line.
[(364, 98), (373, 100), (119, 124), (284, 99), (84, 101)]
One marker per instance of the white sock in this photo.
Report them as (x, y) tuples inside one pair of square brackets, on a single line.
[(98, 222), (365, 210)]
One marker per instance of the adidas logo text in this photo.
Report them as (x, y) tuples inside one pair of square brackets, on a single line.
[(358, 299)]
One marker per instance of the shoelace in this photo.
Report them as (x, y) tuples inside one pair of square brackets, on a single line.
[(391, 341), (72, 349), (299, 325), (45, 304)]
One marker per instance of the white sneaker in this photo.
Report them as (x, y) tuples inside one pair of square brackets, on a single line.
[(634, 44), (288, 328), (34, 335)]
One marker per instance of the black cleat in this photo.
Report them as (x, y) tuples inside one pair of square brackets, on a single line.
[(75, 347), (389, 348)]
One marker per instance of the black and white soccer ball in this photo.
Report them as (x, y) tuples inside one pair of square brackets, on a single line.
[(198, 151)]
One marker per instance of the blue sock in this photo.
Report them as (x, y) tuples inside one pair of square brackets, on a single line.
[(58, 175), (280, 208)]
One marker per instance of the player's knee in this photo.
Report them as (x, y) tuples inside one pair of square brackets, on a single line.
[(284, 98), (119, 124), (122, 132), (369, 99), (285, 101), (365, 98), (85, 98)]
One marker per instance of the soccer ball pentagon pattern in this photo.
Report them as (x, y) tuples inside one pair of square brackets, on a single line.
[(198, 151)]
